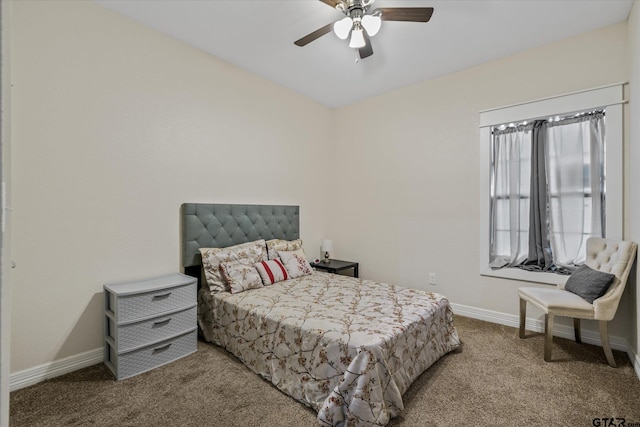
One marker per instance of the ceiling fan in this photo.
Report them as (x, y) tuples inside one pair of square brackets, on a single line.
[(362, 23)]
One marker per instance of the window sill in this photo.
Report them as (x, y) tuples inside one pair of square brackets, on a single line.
[(526, 276)]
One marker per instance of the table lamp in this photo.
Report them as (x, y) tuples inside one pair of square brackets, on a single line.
[(327, 246)]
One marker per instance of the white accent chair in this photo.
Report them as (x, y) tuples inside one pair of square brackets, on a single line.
[(610, 256)]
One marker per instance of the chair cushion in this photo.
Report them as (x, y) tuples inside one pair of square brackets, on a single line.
[(588, 283), (557, 301)]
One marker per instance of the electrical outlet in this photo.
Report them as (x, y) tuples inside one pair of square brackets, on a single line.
[(432, 278)]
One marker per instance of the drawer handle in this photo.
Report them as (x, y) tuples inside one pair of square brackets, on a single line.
[(162, 348), (162, 322), (161, 296)]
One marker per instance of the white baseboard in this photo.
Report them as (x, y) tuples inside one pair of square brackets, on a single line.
[(54, 369), (635, 359), (563, 331)]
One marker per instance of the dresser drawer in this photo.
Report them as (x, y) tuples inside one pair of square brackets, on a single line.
[(125, 365), (135, 335), (130, 308)]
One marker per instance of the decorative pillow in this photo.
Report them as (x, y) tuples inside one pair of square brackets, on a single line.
[(241, 275), (588, 283), (272, 271), (275, 245), (212, 257), (295, 263)]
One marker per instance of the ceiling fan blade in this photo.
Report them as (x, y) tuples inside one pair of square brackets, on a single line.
[(411, 14), (312, 36), (367, 50), (332, 3)]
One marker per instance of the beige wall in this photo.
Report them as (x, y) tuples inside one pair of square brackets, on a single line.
[(634, 84), (114, 126), (5, 260), (413, 166)]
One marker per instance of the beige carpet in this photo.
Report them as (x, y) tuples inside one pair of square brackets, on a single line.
[(495, 379)]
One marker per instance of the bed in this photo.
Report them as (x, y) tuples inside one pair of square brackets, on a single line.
[(348, 348)]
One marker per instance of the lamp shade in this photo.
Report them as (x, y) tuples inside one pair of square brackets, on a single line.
[(327, 245), (357, 39), (371, 23), (343, 27)]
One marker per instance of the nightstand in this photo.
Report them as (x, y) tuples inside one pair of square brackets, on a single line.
[(149, 323), (336, 265)]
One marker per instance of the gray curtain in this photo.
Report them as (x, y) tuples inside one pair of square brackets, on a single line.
[(540, 255)]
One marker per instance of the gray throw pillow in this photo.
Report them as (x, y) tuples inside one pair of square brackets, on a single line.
[(588, 283)]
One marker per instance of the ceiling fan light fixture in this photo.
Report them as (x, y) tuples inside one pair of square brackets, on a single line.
[(342, 28), (360, 23), (372, 24), (357, 38)]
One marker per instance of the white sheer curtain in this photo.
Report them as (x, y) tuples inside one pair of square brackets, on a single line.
[(510, 182), (575, 177)]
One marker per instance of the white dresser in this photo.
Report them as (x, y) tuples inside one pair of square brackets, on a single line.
[(149, 323)]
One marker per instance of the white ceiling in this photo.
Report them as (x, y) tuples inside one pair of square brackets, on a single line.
[(258, 36)]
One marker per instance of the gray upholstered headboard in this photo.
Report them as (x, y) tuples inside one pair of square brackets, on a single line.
[(222, 225)]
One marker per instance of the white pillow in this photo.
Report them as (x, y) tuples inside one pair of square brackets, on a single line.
[(272, 271), (212, 257), (241, 275), (275, 245), (295, 263)]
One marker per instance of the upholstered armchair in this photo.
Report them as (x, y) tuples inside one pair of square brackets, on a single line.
[(609, 256)]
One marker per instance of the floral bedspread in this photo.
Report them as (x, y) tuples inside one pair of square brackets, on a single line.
[(349, 348)]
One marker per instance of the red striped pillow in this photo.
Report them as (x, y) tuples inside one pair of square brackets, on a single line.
[(272, 271)]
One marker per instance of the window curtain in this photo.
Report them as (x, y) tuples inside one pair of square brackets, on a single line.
[(539, 255), (547, 192), (576, 181), (510, 172)]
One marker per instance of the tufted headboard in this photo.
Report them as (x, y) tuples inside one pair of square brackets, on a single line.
[(222, 225)]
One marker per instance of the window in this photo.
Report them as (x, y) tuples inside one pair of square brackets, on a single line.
[(547, 193), (549, 182)]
